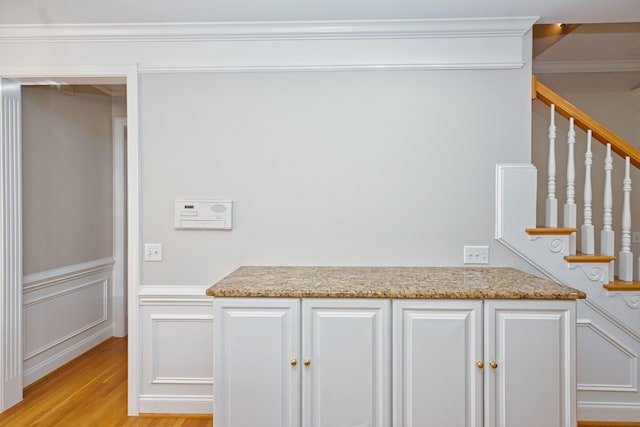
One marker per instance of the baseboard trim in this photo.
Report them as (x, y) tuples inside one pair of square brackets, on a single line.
[(617, 413), (179, 404), (59, 359)]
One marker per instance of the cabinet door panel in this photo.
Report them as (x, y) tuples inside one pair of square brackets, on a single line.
[(347, 381), (533, 344), (436, 345), (254, 381)]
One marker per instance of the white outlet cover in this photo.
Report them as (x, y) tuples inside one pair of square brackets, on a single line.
[(476, 254)]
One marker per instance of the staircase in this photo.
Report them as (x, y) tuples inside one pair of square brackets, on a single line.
[(608, 330)]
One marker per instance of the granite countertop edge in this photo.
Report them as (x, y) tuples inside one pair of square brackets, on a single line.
[(389, 283)]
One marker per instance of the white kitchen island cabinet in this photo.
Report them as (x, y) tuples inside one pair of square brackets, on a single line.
[(255, 383), (532, 345), (497, 363), (348, 380), (393, 347), (436, 345), (325, 362)]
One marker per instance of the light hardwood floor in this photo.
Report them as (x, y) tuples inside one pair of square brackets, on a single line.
[(606, 424), (89, 391)]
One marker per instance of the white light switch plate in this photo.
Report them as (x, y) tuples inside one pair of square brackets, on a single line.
[(153, 251), (476, 254)]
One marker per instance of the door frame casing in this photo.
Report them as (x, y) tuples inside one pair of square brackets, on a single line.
[(119, 227), (130, 73), (11, 343)]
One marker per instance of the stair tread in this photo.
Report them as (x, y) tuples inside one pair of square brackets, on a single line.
[(619, 285), (580, 257), (549, 231)]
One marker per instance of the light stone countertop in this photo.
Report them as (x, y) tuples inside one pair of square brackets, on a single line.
[(389, 282)]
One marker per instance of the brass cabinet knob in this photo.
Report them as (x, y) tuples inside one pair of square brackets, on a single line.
[(307, 362), (479, 364), (294, 362), (493, 364)]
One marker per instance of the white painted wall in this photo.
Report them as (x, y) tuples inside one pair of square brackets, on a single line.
[(340, 168), (350, 144), (119, 106), (67, 172)]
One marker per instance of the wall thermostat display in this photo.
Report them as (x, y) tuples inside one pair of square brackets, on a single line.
[(203, 214)]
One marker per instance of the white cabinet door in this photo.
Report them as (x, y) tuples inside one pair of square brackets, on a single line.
[(436, 347), (255, 382), (347, 381), (530, 363)]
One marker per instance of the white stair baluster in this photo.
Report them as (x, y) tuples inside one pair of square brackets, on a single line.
[(570, 210), (625, 258), (607, 234), (551, 203), (587, 233)]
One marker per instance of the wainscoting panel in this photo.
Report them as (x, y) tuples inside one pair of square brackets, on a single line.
[(66, 312), (608, 366), (620, 373), (177, 350)]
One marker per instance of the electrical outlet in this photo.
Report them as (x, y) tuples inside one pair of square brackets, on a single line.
[(635, 237), (476, 254), (153, 251)]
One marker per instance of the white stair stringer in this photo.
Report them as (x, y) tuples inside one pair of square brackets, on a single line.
[(608, 334)]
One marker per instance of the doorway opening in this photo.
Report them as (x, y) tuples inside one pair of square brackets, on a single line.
[(72, 163), (78, 302)]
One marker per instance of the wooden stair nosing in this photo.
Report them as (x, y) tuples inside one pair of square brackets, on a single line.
[(619, 285), (590, 258), (548, 231)]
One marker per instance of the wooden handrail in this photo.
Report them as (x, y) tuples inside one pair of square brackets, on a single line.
[(585, 122)]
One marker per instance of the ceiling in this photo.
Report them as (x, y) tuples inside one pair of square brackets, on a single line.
[(144, 11)]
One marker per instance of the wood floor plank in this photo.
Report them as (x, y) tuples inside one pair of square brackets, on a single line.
[(89, 391), (608, 424)]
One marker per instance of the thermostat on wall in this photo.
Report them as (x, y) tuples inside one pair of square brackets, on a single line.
[(203, 214)]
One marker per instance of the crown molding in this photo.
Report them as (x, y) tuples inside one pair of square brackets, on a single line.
[(443, 44), (290, 30), (585, 67)]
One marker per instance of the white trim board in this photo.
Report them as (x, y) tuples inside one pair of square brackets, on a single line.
[(289, 30), (45, 278), (494, 43), (38, 371), (119, 227)]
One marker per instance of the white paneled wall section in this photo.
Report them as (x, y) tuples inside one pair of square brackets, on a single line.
[(67, 311), (177, 350)]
